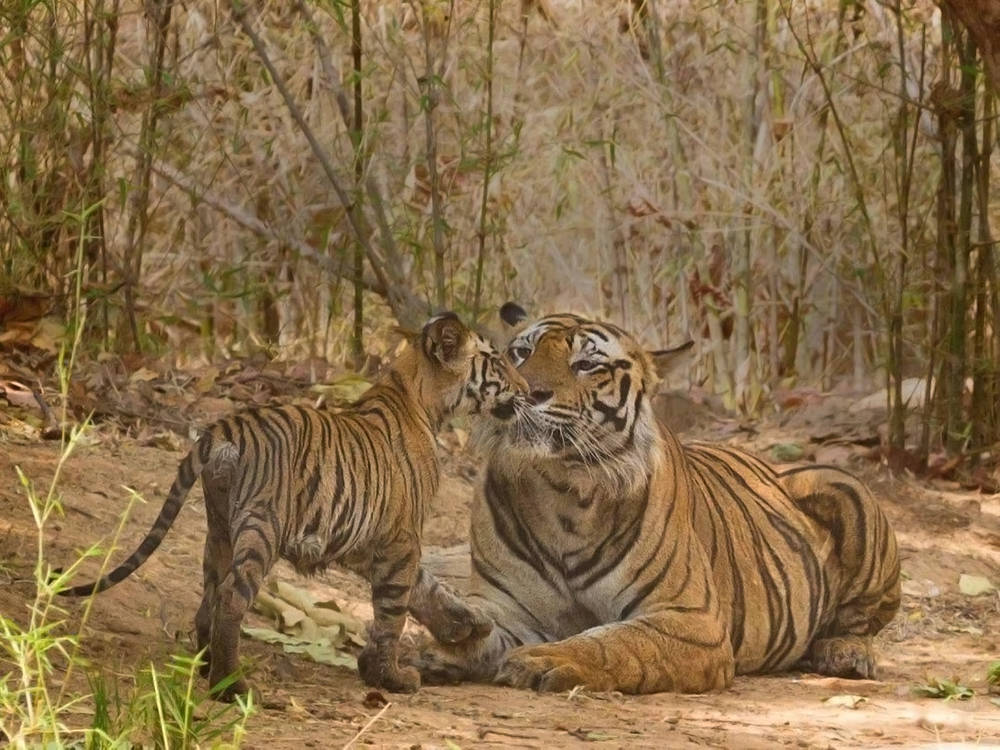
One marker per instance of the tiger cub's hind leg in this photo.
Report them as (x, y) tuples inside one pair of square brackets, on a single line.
[(254, 549), (217, 562), (394, 573), (216, 481)]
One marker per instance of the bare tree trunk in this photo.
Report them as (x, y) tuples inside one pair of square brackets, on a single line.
[(619, 246), (984, 370), (796, 324), (100, 37), (139, 216), (487, 160), (357, 342), (982, 19), (742, 257), (905, 144), (948, 108), (429, 85), (388, 267)]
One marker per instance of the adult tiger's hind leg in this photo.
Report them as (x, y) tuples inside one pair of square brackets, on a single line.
[(863, 568), (850, 656)]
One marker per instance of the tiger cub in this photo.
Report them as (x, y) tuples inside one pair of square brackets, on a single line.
[(315, 487)]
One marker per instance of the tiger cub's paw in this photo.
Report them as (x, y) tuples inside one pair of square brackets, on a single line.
[(231, 692), (380, 669)]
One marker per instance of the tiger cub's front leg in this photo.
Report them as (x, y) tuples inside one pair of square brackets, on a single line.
[(444, 613), (684, 652), (394, 570)]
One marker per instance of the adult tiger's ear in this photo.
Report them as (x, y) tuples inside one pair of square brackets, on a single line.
[(666, 362), (512, 314), (444, 337)]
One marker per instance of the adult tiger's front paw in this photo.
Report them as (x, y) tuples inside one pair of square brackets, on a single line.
[(459, 622), (548, 668)]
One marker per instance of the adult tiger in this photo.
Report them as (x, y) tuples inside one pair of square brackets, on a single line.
[(315, 487), (609, 555)]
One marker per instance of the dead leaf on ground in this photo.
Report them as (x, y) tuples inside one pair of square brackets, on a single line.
[(971, 585), (841, 684), (45, 334), (143, 375), (787, 452), (845, 700), (18, 394), (319, 633), (320, 651), (20, 307), (344, 390), (205, 380), (588, 735)]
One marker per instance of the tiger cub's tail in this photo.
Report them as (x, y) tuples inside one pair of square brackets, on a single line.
[(187, 474)]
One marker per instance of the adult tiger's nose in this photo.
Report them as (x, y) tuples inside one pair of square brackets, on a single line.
[(537, 397)]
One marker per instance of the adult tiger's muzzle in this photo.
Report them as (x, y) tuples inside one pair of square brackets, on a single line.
[(503, 410), (506, 407)]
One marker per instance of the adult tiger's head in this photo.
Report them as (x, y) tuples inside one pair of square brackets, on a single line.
[(462, 371), (589, 389)]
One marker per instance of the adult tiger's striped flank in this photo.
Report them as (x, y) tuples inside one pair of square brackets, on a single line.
[(315, 487), (610, 555)]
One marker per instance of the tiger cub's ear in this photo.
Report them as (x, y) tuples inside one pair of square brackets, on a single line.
[(512, 313), (669, 361), (444, 337), (408, 335)]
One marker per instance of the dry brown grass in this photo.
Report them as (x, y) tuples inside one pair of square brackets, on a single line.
[(614, 192)]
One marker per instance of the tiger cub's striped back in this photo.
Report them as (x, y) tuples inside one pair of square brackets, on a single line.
[(315, 487)]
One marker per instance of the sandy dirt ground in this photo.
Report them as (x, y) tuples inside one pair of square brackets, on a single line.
[(939, 632)]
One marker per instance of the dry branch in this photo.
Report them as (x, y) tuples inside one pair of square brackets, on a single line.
[(388, 241), (405, 306)]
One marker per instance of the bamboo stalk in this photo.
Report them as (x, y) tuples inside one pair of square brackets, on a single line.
[(389, 274), (357, 342), (138, 222), (487, 161)]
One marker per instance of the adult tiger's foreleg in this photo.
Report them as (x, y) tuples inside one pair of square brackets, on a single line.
[(476, 658), (448, 617), (660, 651)]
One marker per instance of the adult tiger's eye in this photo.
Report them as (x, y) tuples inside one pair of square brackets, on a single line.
[(584, 365), (520, 353)]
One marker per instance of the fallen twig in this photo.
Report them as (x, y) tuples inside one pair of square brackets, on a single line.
[(365, 728)]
